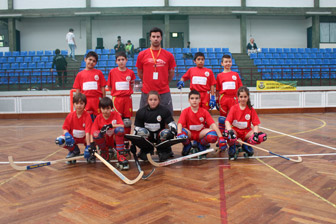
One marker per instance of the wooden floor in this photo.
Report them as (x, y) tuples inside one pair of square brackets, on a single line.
[(263, 189)]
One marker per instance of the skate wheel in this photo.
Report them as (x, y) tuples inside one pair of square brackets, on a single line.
[(235, 157), (74, 161), (246, 155)]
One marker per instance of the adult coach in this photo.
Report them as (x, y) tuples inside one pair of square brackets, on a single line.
[(156, 69)]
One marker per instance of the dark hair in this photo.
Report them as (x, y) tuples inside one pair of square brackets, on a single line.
[(153, 92), (92, 54), (120, 54), (105, 102), (154, 30), (247, 91), (78, 97), (198, 54), (226, 56), (194, 92), (71, 30), (57, 51)]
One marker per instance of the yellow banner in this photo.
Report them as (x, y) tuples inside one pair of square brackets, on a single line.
[(276, 85)]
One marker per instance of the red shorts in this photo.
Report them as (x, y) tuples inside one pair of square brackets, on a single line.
[(226, 102), (123, 105), (205, 99), (195, 135), (92, 105), (241, 133)]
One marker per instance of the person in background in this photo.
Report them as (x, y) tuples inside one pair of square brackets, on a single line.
[(61, 67), (70, 39), (130, 49)]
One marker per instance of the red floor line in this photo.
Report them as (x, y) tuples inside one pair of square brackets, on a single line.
[(223, 211)]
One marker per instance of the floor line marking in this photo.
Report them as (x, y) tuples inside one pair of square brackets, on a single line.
[(211, 158), (297, 183), (223, 209), (32, 126), (301, 139)]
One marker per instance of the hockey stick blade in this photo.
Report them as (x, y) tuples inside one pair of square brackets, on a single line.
[(298, 160), (37, 165), (172, 161), (137, 163), (116, 172)]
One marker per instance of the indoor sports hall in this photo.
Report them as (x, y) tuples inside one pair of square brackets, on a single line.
[(291, 75)]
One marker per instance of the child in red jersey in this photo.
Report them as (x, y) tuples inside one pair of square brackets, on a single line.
[(107, 126), (76, 127), (201, 79), (92, 83), (120, 82), (238, 124), (228, 82), (192, 123)]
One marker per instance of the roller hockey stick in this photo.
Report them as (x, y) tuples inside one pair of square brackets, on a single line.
[(37, 165), (137, 163), (172, 161), (116, 172), (298, 160)]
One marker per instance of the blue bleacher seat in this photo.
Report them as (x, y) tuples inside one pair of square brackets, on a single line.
[(19, 59), (36, 59), (283, 55), (311, 61), (186, 50), (103, 57), (265, 61), (102, 63), (46, 72), (286, 50), (193, 50), (178, 50), (303, 61), (327, 55), (8, 54), (273, 61), (11, 59), (23, 65), (264, 50), (129, 63), (64, 52), (112, 57), (48, 64), (1, 53), (308, 50), (269, 55), (15, 53), (206, 62), (219, 55), (333, 61), (23, 53), (298, 55), (15, 66), (314, 50), (48, 53), (301, 50), (111, 63), (39, 53), (112, 51), (326, 61), (105, 51), (290, 55), (211, 56), (214, 62), (5, 66), (178, 56), (328, 50), (31, 53), (322, 50), (296, 61), (218, 50), (202, 49), (276, 55), (319, 55), (257, 61), (32, 65), (171, 50), (262, 55), (44, 58), (26, 59), (288, 61), (225, 50), (318, 61), (254, 55), (210, 50), (98, 51), (180, 62), (40, 65), (189, 62), (293, 50), (312, 55), (3, 59), (271, 50), (305, 55), (279, 50), (281, 61)]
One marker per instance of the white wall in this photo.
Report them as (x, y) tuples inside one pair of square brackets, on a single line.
[(4, 4), (280, 3), (327, 3), (278, 32), (327, 45), (109, 28), (204, 3), (49, 33), (48, 4), (215, 32), (126, 3)]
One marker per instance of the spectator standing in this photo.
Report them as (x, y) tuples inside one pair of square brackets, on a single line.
[(156, 68), (61, 67), (70, 38), (119, 47), (130, 49)]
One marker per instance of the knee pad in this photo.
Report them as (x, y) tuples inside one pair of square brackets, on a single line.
[(221, 120), (262, 137), (143, 132), (210, 137), (127, 122), (119, 131), (173, 127), (184, 131), (166, 134)]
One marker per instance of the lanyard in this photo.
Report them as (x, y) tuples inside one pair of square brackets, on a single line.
[(154, 57)]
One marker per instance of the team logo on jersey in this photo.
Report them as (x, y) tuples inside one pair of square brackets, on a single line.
[(83, 125), (201, 119), (114, 122), (206, 74), (159, 118), (247, 117), (234, 77), (128, 78), (96, 77)]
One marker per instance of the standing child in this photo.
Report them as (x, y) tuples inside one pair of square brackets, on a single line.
[(238, 124), (107, 126), (192, 123), (91, 82), (228, 82), (76, 127), (150, 122), (120, 82), (61, 67), (201, 79)]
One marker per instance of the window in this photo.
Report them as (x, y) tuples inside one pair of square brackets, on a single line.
[(328, 32)]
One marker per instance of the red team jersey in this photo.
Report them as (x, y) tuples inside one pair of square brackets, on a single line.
[(90, 82), (195, 122), (164, 63), (100, 121), (201, 79), (242, 119), (120, 82), (228, 83), (78, 127)]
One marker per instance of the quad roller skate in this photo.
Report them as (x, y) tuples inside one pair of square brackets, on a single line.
[(248, 151), (112, 153), (233, 152), (186, 149), (122, 161), (73, 153)]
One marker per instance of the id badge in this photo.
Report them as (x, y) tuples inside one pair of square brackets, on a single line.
[(155, 75)]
